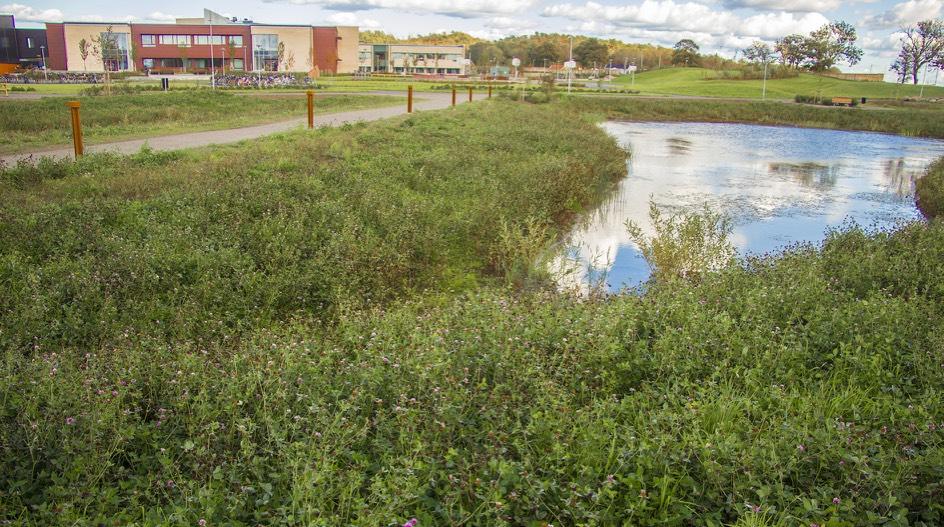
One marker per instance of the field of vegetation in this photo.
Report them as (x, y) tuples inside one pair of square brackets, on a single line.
[(338, 328), (32, 124), (922, 121), (705, 82)]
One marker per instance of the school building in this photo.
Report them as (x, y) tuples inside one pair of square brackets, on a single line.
[(20, 48), (411, 59), (202, 45)]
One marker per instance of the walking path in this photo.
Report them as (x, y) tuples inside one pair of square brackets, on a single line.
[(424, 101)]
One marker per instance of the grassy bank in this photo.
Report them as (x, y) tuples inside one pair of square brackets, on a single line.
[(929, 191), (204, 244), (305, 331), (704, 82), (904, 121), (32, 124)]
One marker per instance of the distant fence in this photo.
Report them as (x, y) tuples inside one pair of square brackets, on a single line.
[(864, 77)]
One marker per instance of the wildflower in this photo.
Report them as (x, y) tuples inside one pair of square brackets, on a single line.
[(202, 522), (171, 484), (70, 420), (411, 523), (610, 479), (836, 501), (801, 448)]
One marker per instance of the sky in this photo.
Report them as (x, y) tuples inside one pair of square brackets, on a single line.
[(721, 26)]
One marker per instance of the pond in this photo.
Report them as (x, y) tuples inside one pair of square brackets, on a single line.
[(779, 185)]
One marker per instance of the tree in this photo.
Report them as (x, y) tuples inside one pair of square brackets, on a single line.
[(902, 67), (84, 49), (483, 53), (922, 45), (280, 55), (759, 53), (545, 51), (591, 51), (105, 47), (791, 50), (685, 53), (830, 44), (231, 52)]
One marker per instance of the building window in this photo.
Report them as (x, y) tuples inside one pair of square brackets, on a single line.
[(206, 40), (148, 63), (236, 40), (175, 40), (237, 64), (265, 52), (116, 58), (148, 40)]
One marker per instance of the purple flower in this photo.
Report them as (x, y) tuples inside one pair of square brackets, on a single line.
[(202, 522), (836, 501), (70, 420), (756, 509), (801, 448), (411, 523)]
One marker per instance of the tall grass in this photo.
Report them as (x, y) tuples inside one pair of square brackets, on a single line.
[(45, 122), (904, 121), (207, 244), (929, 190), (303, 331)]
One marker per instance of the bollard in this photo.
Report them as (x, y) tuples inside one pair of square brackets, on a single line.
[(490, 90), (6, 90), (409, 99), (470, 93), (311, 109), (76, 128), (453, 94)]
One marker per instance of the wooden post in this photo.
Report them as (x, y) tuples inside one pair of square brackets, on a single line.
[(6, 90), (311, 109), (453, 94), (490, 90), (470, 93), (409, 99), (76, 128)]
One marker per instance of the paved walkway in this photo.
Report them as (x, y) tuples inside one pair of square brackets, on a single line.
[(421, 102)]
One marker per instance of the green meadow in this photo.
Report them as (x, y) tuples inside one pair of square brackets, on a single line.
[(347, 327)]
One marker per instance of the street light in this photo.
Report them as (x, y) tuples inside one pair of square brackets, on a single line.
[(258, 60), (764, 95), (42, 51)]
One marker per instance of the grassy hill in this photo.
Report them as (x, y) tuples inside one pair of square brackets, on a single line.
[(705, 82)]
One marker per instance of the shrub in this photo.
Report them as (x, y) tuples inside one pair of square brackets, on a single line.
[(929, 191), (685, 245)]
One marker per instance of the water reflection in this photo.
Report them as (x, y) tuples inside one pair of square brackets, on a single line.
[(780, 185)]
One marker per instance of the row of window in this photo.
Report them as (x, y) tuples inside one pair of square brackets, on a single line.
[(200, 64), (427, 56), (188, 40)]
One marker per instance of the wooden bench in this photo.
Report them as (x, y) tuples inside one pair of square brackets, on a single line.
[(842, 101)]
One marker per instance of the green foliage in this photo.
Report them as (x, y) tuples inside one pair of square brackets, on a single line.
[(685, 245), (521, 253), (777, 388), (211, 243), (899, 120), (929, 191)]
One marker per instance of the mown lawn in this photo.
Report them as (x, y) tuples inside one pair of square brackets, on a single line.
[(45, 123), (704, 82), (312, 330)]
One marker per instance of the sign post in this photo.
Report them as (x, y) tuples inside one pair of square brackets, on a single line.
[(76, 128)]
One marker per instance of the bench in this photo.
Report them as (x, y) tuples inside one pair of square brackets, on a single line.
[(842, 101)]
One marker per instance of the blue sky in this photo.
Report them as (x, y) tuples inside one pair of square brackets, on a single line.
[(717, 25)]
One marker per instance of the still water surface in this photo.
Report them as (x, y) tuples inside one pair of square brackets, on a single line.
[(779, 185)]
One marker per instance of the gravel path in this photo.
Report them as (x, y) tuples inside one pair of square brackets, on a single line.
[(423, 101)]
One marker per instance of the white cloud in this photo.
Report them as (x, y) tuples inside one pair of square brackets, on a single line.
[(801, 6), (906, 13), (351, 19), (23, 12), (668, 15), (455, 8)]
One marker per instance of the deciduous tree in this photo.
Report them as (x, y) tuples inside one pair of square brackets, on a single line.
[(685, 53), (831, 44), (921, 45)]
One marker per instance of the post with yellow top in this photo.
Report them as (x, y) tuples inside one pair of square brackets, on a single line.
[(453, 94), (76, 128), (409, 99), (6, 89), (311, 109), (490, 90), (470, 93)]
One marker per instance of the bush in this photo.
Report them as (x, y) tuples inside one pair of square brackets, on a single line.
[(929, 191)]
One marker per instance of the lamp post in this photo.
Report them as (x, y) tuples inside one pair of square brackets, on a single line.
[(259, 59), (764, 92), (42, 51), (570, 70)]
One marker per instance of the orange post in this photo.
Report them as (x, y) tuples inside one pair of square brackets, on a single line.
[(453, 94), (470, 93), (490, 90), (409, 99), (311, 109), (76, 128)]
